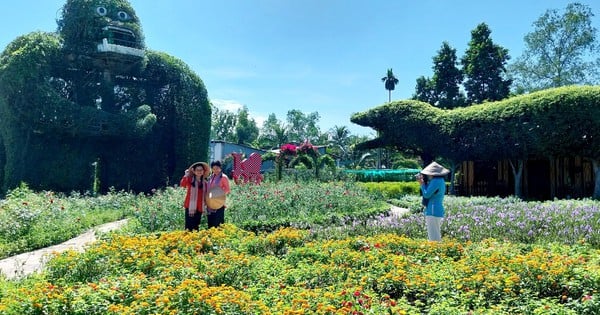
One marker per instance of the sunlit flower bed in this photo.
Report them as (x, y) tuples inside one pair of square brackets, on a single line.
[(478, 218), (353, 257), (231, 271), (267, 207)]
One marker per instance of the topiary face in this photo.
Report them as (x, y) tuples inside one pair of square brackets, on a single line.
[(102, 29)]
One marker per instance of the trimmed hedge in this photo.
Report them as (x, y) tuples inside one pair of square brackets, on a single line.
[(562, 121), (384, 175), (393, 190)]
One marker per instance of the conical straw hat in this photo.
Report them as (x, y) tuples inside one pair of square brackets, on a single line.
[(215, 198), (435, 169)]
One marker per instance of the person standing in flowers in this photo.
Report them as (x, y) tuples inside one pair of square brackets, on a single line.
[(194, 180), (216, 217), (434, 191)]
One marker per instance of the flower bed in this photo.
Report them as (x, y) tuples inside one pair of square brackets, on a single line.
[(231, 271), (499, 256), (31, 220)]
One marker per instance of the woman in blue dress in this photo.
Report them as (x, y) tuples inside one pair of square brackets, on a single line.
[(434, 190)]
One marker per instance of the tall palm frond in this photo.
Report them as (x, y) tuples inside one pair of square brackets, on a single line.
[(390, 82)]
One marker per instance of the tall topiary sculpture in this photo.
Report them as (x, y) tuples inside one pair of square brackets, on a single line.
[(89, 104)]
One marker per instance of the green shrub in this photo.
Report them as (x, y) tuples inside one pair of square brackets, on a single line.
[(384, 175), (393, 190)]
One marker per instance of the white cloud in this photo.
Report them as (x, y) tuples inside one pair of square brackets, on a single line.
[(260, 120), (234, 106), (229, 105)]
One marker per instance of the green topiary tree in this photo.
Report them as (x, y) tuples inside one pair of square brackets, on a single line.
[(91, 92), (551, 123)]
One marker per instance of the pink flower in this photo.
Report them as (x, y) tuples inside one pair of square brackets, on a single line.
[(288, 149), (307, 148)]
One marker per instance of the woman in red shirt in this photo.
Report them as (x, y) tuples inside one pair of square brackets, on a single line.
[(195, 182)]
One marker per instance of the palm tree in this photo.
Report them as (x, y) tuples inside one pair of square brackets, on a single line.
[(280, 135), (339, 137), (390, 83), (273, 136)]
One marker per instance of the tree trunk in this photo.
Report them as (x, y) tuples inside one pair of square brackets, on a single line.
[(596, 164), (552, 176), (378, 153), (279, 167), (453, 168), (518, 174)]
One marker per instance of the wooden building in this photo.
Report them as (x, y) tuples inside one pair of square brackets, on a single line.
[(569, 177)]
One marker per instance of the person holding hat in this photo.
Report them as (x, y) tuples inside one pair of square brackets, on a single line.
[(194, 180), (217, 181), (434, 192)]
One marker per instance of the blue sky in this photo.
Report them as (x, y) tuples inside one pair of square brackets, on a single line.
[(326, 56)]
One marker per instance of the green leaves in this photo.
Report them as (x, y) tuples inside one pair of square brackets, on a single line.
[(145, 120), (442, 90), (83, 25)]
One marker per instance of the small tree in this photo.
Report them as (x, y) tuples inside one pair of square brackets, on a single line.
[(286, 151), (447, 78), (310, 157), (223, 125), (425, 91), (273, 133), (246, 130), (442, 90), (339, 141), (302, 126)]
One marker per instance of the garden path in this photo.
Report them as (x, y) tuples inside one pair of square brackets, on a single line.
[(397, 211), (27, 263)]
